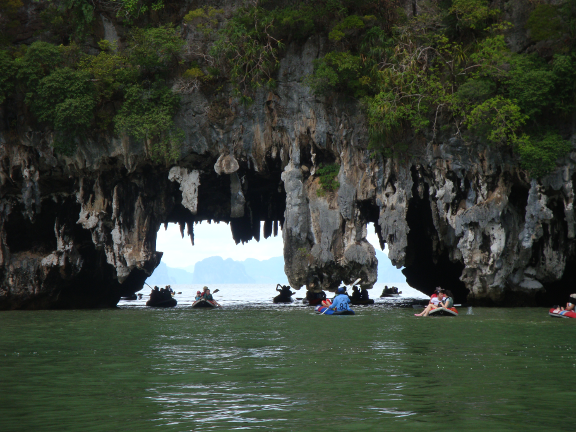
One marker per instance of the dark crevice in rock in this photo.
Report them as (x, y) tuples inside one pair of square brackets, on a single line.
[(25, 235), (426, 267), (518, 198), (558, 292), (324, 157), (558, 224), (213, 197)]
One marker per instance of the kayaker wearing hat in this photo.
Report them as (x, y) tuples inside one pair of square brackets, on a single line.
[(198, 295), (206, 294), (341, 302)]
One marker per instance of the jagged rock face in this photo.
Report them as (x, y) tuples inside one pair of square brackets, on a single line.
[(508, 239), (81, 231), (74, 240)]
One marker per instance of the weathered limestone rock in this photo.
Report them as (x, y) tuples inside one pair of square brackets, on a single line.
[(80, 231), (226, 164), (189, 182)]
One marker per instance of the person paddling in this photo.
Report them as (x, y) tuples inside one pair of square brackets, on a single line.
[(207, 296), (356, 296), (341, 302), (285, 295)]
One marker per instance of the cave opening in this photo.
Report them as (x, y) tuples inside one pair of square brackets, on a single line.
[(388, 274), (428, 265), (245, 199), (553, 241), (232, 211), (370, 212), (216, 258)]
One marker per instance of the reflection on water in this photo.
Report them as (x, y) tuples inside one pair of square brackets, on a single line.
[(284, 369)]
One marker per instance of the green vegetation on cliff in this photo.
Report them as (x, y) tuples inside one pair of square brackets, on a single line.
[(327, 175), (450, 65), (75, 94), (448, 69)]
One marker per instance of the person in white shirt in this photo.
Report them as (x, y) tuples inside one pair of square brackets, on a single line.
[(434, 304)]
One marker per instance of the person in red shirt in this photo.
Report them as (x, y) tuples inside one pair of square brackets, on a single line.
[(434, 297)]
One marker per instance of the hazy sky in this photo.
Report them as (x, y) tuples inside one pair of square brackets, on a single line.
[(216, 240)]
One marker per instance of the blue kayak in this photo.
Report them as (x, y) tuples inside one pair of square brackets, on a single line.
[(325, 311)]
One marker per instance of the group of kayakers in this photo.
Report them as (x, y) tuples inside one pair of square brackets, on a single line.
[(340, 303), (204, 294), (390, 291), (164, 297), (285, 295), (204, 299), (314, 298), (359, 294), (161, 294), (440, 299)]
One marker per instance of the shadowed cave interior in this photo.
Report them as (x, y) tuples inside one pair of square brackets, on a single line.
[(428, 265)]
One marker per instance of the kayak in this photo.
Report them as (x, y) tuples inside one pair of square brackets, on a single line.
[(162, 303), (562, 314), (203, 303), (444, 312), (362, 302), (325, 311), (390, 295), (279, 299)]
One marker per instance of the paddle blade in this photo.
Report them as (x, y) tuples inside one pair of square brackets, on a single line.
[(215, 291), (356, 281)]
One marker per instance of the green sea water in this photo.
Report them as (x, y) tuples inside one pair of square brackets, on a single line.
[(286, 369)]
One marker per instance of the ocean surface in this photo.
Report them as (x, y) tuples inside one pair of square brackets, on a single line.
[(257, 366)]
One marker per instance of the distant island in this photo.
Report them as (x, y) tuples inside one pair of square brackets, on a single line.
[(217, 270)]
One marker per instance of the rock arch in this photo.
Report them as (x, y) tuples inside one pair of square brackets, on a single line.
[(80, 231)]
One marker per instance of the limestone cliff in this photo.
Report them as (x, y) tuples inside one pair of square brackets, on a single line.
[(80, 231)]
